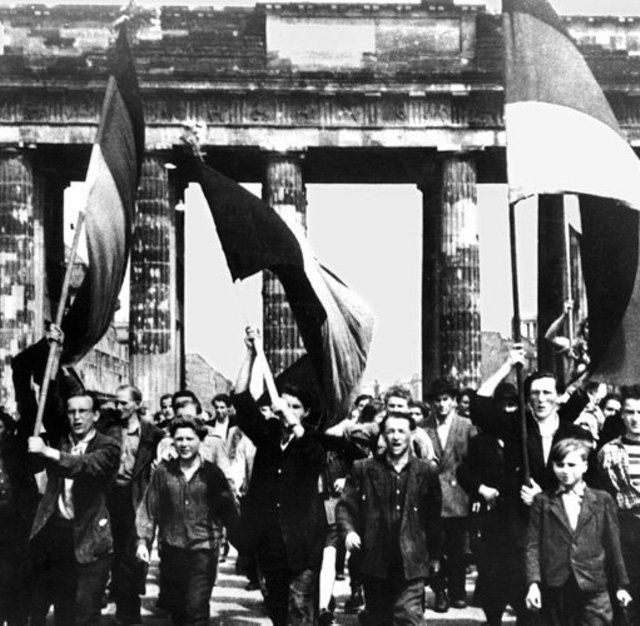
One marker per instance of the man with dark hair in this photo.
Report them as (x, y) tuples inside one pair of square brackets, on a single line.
[(71, 534), (359, 403), (222, 410), (619, 465), (464, 399), (165, 415), (283, 514), (390, 513), (450, 434), (138, 445), (613, 427), (189, 501)]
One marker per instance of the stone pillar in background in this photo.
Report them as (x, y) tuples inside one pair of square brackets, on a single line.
[(155, 349), (283, 190), (50, 185), (552, 278), (451, 280), (431, 236), (21, 265)]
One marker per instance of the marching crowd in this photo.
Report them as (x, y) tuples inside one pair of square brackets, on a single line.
[(407, 493)]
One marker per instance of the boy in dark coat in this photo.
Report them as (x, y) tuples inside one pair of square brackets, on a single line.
[(572, 543)]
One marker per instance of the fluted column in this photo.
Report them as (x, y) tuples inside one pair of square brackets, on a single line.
[(283, 190), (21, 265), (451, 281), (155, 346)]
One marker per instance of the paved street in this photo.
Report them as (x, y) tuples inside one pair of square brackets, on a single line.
[(231, 604)]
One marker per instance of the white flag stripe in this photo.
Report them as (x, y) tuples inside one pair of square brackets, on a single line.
[(555, 149)]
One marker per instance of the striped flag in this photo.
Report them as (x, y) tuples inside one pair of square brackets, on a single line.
[(112, 179), (563, 137), (335, 324)]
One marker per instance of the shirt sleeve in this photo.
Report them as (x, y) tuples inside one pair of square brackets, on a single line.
[(148, 510)]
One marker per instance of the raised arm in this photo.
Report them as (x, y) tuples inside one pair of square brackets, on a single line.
[(516, 355), (249, 368), (554, 330)]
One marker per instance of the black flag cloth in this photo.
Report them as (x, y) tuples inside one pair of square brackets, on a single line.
[(336, 325)]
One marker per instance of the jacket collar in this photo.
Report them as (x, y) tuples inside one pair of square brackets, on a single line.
[(587, 508)]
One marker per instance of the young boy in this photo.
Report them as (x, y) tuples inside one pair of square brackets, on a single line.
[(189, 499), (572, 543)]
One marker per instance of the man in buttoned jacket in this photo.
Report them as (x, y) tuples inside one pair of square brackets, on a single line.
[(450, 434), (71, 535), (390, 511)]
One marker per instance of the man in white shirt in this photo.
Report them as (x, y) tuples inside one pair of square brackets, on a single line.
[(450, 434)]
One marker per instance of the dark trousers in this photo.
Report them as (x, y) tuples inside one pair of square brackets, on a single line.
[(394, 601), (14, 601), (127, 573), (630, 543), (291, 597), (189, 576), (500, 569), (569, 606), (353, 564), (453, 574), (75, 589)]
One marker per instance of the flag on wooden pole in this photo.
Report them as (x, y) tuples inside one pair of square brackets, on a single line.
[(563, 137), (112, 179)]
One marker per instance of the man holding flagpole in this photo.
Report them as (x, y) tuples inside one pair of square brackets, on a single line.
[(284, 519), (71, 535)]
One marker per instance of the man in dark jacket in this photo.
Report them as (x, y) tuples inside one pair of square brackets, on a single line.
[(138, 444), (283, 516), (390, 511), (71, 534)]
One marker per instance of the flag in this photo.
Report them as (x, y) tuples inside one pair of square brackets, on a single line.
[(112, 180), (336, 326), (563, 137)]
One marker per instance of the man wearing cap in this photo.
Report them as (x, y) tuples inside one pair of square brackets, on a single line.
[(450, 434)]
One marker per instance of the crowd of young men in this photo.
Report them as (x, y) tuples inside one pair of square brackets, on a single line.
[(415, 492)]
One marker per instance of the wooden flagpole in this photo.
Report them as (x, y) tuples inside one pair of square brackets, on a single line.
[(55, 348), (517, 338), (567, 246)]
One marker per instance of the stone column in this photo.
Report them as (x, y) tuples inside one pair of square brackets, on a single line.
[(21, 265), (552, 278), (154, 344), (285, 192), (451, 280), (50, 185)]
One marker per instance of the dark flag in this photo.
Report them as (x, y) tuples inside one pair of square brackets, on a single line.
[(336, 325), (563, 137), (112, 177)]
